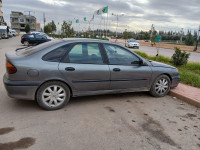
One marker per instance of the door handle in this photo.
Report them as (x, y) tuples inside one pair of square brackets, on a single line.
[(116, 69), (69, 69)]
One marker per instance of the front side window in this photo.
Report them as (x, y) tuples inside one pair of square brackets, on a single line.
[(38, 36), (85, 53), (120, 56)]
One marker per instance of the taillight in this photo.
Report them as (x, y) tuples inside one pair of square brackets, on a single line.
[(22, 38), (10, 68)]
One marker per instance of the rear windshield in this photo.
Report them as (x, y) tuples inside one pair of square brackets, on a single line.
[(34, 49)]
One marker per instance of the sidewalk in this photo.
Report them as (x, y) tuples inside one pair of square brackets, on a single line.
[(187, 93)]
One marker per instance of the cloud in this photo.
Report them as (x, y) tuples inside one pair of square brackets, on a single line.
[(138, 14)]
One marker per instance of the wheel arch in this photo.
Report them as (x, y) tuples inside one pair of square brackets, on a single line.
[(71, 91)]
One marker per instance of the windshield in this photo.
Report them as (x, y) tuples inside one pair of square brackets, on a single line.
[(2, 30), (132, 40)]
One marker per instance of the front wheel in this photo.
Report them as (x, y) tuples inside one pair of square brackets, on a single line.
[(53, 95), (161, 86)]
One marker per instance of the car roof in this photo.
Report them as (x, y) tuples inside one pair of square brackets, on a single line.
[(73, 40)]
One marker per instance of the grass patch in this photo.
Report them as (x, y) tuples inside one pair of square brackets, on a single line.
[(189, 73)]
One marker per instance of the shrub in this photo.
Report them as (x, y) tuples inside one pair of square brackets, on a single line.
[(179, 58)]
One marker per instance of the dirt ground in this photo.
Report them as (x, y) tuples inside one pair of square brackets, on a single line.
[(132, 121), (170, 46)]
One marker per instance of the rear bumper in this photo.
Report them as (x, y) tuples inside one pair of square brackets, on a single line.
[(175, 81), (21, 89)]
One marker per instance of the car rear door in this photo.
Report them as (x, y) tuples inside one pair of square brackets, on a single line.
[(39, 39), (84, 68), (126, 71)]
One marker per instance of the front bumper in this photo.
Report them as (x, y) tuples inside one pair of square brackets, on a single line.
[(134, 46), (175, 81), (21, 89)]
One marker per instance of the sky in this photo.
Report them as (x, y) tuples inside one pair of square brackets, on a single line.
[(137, 14)]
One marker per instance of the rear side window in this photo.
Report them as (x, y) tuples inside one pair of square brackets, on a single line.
[(57, 54), (31, 36), (31, 50), (88, 53)]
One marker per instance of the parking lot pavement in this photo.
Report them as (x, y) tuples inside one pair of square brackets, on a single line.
[(111, 122)]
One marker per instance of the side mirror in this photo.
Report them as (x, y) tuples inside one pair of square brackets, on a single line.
[(140, 62)]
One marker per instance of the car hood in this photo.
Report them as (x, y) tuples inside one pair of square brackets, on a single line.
[(158, 64)]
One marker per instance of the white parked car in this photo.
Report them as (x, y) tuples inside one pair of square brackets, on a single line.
[(132, 43), (13, 32)]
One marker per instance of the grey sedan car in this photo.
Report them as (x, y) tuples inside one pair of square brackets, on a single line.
[(53, 72)]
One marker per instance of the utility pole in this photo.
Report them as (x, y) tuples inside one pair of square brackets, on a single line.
[(181, 40), (117, 15), (29, 22), (44, 19), (196, 47)]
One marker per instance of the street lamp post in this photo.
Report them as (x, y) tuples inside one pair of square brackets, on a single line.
[(117, 15), (196, 47)]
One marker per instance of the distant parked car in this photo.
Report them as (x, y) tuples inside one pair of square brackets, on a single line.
[(4, 32), (132, 43), (35, 39), (43, 34), (13, 32), (53, 72)]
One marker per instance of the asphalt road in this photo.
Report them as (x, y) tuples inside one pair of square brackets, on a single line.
[(152, 51), (134, 121)]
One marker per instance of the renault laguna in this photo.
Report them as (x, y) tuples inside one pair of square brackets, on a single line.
[(53, 72)]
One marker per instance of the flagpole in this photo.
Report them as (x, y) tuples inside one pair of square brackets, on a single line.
[(100, 25), (107, 26)]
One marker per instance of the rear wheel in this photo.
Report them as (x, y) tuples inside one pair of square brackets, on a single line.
[(161, 86), (26, 43), (53, 95)]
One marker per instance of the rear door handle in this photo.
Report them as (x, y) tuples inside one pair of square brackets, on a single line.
[(69, 69), (116, 69)]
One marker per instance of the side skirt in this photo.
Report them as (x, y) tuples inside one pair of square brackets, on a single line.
[(88, 93)]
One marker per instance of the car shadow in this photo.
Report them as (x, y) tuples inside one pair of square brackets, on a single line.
[(30, 105), (107, 97)]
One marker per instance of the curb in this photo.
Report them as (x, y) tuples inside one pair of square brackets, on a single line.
[(185, 98)]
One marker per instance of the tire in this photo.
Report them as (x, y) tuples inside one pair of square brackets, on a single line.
[(48, 95), (26, 43), (161, 86)]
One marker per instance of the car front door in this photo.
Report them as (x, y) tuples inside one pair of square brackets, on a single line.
[(85, 69), (126, 70)]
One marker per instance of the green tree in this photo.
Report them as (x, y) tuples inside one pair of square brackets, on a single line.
[(125, 35), (27, 28), (53, 26), (189, 39), (67, 29), (47, 29)]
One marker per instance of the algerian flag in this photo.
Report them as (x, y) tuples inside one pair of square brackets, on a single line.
[(101, 11), (85, 19), (105, 10), (77, 20), (98, 12)]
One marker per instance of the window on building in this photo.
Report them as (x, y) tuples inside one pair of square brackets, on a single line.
[(21, 20), (22, 25)]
